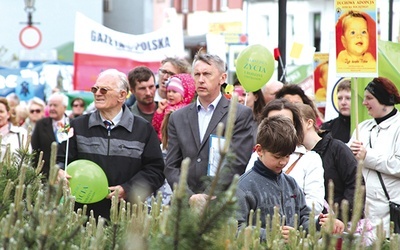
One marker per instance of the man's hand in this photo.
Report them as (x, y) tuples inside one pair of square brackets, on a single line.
[(198, 201), (285, 230), (121, 192), (62, 175)]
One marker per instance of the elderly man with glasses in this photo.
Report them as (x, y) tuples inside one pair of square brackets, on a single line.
[(125, 146)]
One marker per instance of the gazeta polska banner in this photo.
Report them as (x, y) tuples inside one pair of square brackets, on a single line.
[(98, 48)]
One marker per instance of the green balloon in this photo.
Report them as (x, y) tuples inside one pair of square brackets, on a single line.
[(254, 67), (88, 181)]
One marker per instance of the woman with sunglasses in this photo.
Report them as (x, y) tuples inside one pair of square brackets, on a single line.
[(36, 112), (78, 107)]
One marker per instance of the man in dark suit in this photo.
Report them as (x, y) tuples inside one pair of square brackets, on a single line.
[(45, 130), (189, 129)]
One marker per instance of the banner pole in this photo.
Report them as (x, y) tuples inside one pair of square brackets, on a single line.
[(356, 104)]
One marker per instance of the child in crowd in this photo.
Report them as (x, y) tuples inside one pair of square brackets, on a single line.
[(355, 40), (265, 186), (180, 92), (340, 165), (304, 166)]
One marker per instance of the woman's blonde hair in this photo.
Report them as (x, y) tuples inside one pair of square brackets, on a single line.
[(307, 113), (164, 131)]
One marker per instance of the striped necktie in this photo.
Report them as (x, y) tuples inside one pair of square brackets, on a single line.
[(108, 125)]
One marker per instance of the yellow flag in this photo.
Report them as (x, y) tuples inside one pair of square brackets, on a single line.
[(296, 50)]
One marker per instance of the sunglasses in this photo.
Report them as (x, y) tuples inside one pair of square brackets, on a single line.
[(103, 91), (164, 71), (80, 105), (35, 111)]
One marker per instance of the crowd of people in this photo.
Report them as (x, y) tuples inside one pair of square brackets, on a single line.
[(285, 154)]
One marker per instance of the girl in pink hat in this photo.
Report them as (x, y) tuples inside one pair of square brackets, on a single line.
[(180, 92)]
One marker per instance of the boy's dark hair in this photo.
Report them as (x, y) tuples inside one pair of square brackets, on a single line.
[(139, 74), (344, 85), (279, 104), (277, 135)]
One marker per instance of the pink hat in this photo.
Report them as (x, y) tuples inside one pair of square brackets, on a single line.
[(175, 84)]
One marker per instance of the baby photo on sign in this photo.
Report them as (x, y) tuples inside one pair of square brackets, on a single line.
[(356, 47)]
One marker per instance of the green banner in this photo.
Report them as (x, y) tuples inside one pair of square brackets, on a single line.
[(388, 66)]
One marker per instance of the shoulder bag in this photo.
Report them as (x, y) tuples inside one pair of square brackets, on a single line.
[(394, 208)]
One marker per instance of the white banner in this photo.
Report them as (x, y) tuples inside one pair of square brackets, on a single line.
[(98, 48), (94, 38)]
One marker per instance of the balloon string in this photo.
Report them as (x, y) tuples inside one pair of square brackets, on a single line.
[(283, 68), (245, 98), (66, 158)]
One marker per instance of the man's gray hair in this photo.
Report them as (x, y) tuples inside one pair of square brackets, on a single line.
[(123, 81), (59, 95), (210, 59)]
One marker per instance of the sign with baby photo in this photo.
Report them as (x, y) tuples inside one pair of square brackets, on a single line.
[(356, 38)]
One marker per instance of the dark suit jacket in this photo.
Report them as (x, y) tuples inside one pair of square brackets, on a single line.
[(42, 138), (184, 141)]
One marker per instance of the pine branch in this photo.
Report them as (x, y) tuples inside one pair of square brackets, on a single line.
[(228, 200), (178, 200)]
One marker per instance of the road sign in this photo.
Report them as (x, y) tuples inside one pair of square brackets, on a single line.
[(30, 37)]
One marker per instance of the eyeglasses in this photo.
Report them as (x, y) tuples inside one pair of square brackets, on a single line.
[(35, 111), (103, 91), (80, 105), (164, 71)]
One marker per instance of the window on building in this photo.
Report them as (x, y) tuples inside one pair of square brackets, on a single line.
[(214, 6), (223, 5), (185, 6), (291, 29), (107, 6), (317, 31), (267, 25)]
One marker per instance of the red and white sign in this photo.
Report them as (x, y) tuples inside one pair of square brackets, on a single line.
[(30, 37), (98, 48)]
